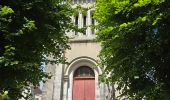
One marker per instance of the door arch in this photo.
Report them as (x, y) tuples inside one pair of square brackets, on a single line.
[(83, 84)]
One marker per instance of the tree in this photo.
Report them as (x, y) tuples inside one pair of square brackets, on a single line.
[(135, 39), (30, 31)]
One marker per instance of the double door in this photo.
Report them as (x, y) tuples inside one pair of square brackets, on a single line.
[(84, 89)]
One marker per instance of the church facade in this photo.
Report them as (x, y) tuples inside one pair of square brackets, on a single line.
[(79, 79)]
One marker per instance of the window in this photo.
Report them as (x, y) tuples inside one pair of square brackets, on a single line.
[(84, 24), (76, 20), (84, 21), (84, 71), (92, 23), (76, 23)]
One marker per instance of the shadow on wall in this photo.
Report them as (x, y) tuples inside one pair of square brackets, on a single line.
[(111, 92)]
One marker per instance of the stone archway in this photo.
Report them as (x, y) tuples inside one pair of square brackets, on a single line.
[(69, 73)]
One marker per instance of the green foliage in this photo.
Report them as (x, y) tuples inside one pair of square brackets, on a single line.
[(135, 39), (4, 96), (30, 31)]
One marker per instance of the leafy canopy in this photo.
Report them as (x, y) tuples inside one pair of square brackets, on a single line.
[(135, 40), (30, 31)]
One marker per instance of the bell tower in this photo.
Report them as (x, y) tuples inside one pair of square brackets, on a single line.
[(73, 81)]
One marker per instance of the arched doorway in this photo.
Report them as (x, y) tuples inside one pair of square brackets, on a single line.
[(84, 84)]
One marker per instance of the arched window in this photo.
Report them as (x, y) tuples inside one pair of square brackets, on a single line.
[(84, 72)]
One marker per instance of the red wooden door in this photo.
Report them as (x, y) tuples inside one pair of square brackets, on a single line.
[(78, 90), (84, 89), (84, 84), (89, 89)]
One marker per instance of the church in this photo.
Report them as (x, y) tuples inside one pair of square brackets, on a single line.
[(79, 79)]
